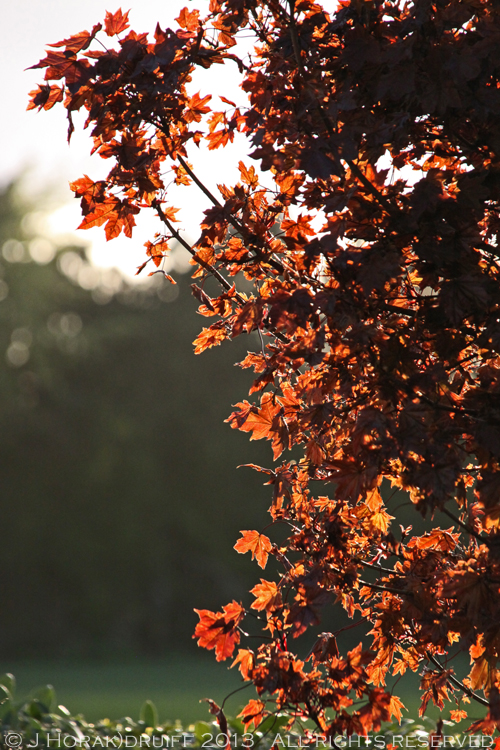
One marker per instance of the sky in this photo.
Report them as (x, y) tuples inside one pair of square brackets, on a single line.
[(35, 143)]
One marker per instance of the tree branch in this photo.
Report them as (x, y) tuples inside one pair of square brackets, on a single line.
[(457, 683), (208, 267), (464, 526)]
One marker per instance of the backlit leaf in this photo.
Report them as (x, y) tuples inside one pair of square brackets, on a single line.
[(258, 544)]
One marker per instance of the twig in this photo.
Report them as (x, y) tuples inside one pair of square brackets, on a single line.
[(208, 267), (457, 683), (464, 526)]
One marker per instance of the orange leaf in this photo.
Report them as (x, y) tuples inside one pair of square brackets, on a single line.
[(209, 337), (297, 228), (458, 714), (395, 706), (219, 138), (259, 421), (103, 212), (45, 97), (258, 544), (439, 539), (188, 20), (170, 213), (245, 659), (196, 108), (268, 596), (248, 175), (481, 674)]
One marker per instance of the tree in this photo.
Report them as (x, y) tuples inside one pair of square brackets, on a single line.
[(377, 306)]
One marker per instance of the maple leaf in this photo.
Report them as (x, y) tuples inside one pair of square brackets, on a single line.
[(45, 97), (188, 19), (80, 41), (103, 212), (253, 713), (437, 539), (115, 23), (209, 337), (258, 421), (246, 660), (258, 544), (482, 674), (301, 226), (218, 630), (458, 715), (219, 138), (395, 706), (248, 175), (196, 108), (157, 251), (268, 596)]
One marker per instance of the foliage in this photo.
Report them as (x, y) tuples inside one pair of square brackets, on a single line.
[(377, 128)]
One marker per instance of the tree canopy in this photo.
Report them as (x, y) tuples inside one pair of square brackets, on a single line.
[(377, 306)]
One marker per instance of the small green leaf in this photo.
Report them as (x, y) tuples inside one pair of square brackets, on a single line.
[(35, 709), (8, 681), (149, 714), (203, 731), (46, 695)]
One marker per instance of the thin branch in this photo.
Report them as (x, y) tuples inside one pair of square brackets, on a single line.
[(390, 589), (177, 235), (232, 219), (349, 627), (457, 683), (464, 526), (203, 263), (382, 570)]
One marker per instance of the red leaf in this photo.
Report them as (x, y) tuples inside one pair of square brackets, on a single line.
[(253, 713), (115, 23), (218, 630), (80, 41), (45, 96)]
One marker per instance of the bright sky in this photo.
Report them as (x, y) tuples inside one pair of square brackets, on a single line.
[(36, 142)]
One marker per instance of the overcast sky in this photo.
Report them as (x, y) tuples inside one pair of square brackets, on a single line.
[(36, 142)]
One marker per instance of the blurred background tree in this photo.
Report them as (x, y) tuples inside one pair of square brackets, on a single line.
[(120, 500)]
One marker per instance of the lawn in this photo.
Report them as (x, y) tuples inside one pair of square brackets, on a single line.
[(116, 689)]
